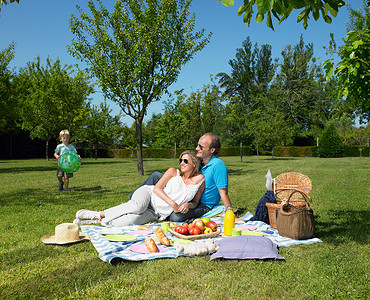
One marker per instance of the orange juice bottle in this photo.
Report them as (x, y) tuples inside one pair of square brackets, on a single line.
[(229, 221)]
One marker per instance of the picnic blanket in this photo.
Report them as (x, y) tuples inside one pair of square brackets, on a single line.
[(113, 252)]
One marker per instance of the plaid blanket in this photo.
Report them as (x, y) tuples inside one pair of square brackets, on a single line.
[(113, 252)]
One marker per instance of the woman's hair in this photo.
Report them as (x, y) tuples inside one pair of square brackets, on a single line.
[(196, 161), (63, 133)]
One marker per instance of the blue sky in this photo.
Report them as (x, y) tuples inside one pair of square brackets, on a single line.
[(40, 28)]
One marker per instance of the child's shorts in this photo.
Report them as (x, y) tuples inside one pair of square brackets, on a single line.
[(61, 173)]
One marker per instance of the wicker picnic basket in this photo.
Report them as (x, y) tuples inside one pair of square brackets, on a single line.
[(296, 222), (290, 186)]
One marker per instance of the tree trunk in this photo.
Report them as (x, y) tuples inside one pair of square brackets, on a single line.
[(11, 146), (174, 155), (258, 154), (47, 149), (96, 151), (241, 150), (272, 152), (139, 146)]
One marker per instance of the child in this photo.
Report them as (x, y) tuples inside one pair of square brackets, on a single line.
[(59, 150)]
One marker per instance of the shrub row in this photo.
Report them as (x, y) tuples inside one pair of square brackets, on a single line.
[(312, 151), (170, 153), (288, 151)]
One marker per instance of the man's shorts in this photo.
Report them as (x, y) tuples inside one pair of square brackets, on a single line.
[(61, 173)]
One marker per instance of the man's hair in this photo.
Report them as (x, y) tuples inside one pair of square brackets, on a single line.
[(63, 133), (216, 142)]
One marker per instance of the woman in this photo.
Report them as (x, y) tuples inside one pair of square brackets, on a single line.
[(154, 203)]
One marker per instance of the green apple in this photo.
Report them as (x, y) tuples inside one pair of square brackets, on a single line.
[(205, 220)]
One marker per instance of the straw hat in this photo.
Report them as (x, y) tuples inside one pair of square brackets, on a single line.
[(66, 233)]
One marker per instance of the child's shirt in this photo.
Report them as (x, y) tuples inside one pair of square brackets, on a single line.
[(61, 148)]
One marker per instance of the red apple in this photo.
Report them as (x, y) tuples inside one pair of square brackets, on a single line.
[(212, 225), (194, 231), (199, 224)]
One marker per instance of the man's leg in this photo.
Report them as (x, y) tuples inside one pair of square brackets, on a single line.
[(151, 180), (200, 210)]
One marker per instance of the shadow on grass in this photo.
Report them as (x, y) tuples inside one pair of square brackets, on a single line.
[(238, 172), (32, 197), (28, 169), (344, 226), (98, 162)]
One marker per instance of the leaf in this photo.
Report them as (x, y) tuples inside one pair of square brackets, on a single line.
[(356, 44), (259, 17), (269, 21), (264, 6), (316, 14), (228, 3), (332, 10)]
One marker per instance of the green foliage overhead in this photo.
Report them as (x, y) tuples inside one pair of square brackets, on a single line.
[(353, 69), (281, 9), (330, 144)]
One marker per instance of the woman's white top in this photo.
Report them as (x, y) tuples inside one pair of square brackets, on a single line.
[(178, 191)]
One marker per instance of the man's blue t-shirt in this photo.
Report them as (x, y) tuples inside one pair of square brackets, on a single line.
[(215, 174)]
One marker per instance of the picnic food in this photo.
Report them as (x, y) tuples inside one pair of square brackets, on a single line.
[(212, 225), (199, 223), (162, 238), (151, 245), (142, 227), (173, 225)]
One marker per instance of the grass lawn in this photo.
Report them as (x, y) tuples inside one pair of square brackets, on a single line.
[(31, 207)]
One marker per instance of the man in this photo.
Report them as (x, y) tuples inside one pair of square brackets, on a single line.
[(216, 180)]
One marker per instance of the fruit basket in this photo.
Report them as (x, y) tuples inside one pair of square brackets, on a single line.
[(195, 237)]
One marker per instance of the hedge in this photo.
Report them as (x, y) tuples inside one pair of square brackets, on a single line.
[(169, 153), (312, 151), (288, 151)]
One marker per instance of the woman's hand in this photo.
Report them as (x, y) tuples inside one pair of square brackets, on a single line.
[(184, 208), (175, 207)]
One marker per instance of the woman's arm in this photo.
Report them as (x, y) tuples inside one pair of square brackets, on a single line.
[(184, 208), (158, 188)]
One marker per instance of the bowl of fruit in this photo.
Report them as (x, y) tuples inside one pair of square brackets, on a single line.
[(202, 228)]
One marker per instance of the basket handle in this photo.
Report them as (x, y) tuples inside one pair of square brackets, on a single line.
[(295, 190)]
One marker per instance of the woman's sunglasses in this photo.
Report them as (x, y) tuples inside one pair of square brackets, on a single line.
[(183, 160)]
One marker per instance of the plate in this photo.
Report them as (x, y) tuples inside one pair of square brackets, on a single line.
[(112, 230), (142, 249), (141, 232), (248, 232), (120, 237), (195, 237)]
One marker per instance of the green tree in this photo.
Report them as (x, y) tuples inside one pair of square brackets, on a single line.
[(251, 72), (9, 104), (8, 101), (100, 128), (137, 51), (330, 144), (281, 9), (53, 98), (353, 69), (299, 88)]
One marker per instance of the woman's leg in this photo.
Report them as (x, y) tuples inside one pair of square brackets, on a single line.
[(137, 205), (133, 219)]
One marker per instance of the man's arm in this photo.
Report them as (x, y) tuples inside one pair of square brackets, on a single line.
[(225, 197)]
